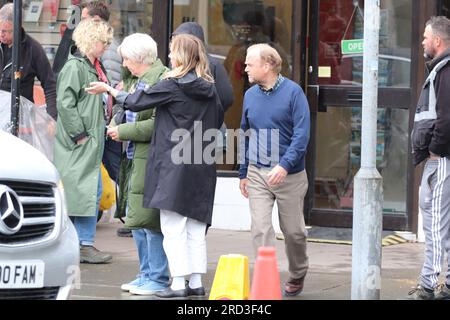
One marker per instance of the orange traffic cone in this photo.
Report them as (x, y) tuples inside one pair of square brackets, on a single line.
[(266, 279)]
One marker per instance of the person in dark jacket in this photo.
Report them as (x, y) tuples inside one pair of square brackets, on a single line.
[(431, 142), (220, 75), (223, 84), (34, 62), (181, 174)]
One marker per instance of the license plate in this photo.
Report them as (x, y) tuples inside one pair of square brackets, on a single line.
[(22, 274)]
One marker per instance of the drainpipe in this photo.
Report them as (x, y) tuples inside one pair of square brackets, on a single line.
[(368, 188), (16, 72)]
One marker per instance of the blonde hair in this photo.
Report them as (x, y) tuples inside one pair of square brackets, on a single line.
[(267, 54), (89, 32), (189, 53)]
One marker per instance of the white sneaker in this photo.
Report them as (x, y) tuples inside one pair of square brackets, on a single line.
[(133, 284), (146, 289)]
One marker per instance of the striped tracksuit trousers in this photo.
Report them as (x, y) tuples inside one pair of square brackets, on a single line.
[(434, 202)]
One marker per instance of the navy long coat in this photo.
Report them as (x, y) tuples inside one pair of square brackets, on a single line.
[(185, 109)]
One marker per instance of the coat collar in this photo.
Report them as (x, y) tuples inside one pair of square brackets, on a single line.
[(153, 74), (75, 54), (431, 64)]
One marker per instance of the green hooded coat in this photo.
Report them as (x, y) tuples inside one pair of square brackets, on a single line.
[(132, 172), (79, 114)]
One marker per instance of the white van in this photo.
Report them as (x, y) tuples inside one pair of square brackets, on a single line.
[(39, 250)]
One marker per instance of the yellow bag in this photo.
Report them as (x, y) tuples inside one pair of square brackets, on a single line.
[(108, 198)]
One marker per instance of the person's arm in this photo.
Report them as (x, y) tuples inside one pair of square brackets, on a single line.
[(151, 97), (140, 131), (441, 134), (63, 50), (223, 87), (243, 152), (300, 138), (45, 75), (244, 144), (69, 87)]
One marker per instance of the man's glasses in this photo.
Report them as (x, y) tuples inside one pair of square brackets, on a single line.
[(5, 31)]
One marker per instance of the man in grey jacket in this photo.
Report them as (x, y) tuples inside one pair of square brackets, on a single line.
[(431, 142)]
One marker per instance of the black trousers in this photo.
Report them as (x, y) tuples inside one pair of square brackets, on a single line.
[(111, 158)]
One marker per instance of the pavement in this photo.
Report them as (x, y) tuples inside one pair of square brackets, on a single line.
[(328, 278)]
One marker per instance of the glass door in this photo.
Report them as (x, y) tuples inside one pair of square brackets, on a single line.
[(230, 27), (335, 94)]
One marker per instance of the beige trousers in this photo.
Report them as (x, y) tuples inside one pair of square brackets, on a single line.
[(290, 197)]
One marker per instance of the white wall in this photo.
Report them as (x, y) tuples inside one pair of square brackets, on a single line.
[(231, 210)]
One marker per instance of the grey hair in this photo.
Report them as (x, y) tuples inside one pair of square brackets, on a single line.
[(7, 13), (139, 48), (440, 26)]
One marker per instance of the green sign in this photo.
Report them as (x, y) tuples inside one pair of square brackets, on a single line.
[(352, 46)]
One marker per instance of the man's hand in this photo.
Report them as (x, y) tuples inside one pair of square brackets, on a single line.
[(113, 133), (243, 186), (277, 176)]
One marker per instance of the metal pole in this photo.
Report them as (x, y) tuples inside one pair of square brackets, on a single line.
[(16, 72), (368, 189)]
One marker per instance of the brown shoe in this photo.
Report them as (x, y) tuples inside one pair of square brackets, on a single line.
[(293, 287), (90, 254)]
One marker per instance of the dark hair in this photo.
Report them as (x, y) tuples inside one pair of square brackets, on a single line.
[(440, 26), (97, 8)]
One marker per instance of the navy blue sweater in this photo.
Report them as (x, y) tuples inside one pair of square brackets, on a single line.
[(279, 128)]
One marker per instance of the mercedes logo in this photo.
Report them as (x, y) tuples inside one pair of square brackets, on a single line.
[(11, 211)]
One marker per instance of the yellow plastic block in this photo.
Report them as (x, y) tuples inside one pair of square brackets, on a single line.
[(232, 279), (108, 193)]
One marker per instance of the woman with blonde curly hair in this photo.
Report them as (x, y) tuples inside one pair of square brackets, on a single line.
[(181, 174), (80, 134)]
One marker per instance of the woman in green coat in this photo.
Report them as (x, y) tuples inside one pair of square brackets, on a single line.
[(80, 134), (139, 53)]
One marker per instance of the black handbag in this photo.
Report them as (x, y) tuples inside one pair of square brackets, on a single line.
[(119, 114)]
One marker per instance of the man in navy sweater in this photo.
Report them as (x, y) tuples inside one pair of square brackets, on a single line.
[(275, 134)]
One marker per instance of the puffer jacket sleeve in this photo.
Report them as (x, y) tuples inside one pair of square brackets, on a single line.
[(112, 62), (140, 131), (46, 77)]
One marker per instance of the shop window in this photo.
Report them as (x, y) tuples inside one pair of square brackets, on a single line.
[(344, 20), (46, 20), (338, 151), (230, 27)]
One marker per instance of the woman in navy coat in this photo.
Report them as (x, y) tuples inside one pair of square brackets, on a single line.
[(181, 173)]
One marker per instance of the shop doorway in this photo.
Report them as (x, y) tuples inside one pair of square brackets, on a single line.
[(334, 86)]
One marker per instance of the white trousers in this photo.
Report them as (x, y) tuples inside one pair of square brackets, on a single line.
[(184, 243)]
